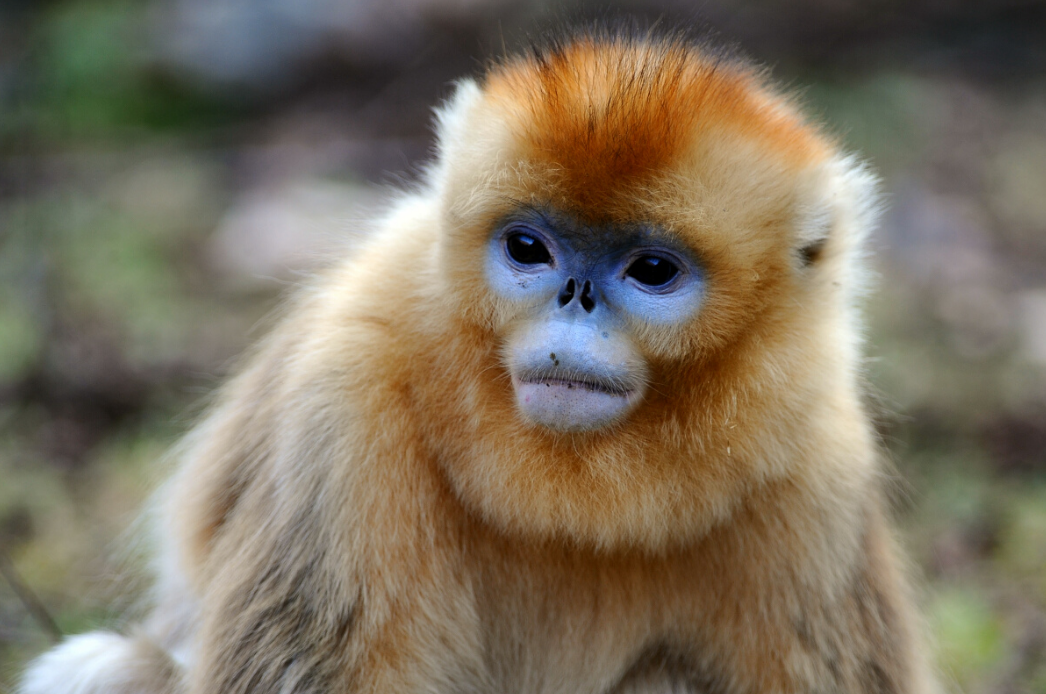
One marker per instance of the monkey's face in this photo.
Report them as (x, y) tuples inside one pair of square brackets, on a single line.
[(580, 294), (611, 237), (645, 250)]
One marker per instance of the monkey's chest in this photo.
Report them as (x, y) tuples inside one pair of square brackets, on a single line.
[(581, 667), (583, 628)]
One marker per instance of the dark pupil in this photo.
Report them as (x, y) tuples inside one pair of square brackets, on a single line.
[(527, 250), (651, 271)]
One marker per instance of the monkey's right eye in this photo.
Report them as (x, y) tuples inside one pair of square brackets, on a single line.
[(527, 250)]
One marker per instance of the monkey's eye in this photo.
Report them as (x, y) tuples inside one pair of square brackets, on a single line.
[(527, 250), (652, 271)]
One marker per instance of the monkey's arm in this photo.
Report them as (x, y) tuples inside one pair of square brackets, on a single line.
[(797, 609), (865, 639), (312, 530)]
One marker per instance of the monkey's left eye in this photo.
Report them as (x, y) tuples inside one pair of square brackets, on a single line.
[(652, 271), (527, 250)]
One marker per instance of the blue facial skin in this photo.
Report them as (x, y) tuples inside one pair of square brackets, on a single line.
[(573, 364)]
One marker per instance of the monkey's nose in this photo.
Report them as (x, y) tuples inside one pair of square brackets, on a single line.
[(586, 297)]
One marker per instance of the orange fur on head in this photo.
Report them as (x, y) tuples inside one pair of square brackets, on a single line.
[(607, 120)]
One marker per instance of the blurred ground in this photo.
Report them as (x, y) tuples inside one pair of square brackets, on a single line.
[(169, 169)]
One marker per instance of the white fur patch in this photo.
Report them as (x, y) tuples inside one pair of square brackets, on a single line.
[(92, 663), (452, 116)]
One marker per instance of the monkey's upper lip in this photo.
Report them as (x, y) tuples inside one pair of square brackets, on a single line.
[(589, 384)]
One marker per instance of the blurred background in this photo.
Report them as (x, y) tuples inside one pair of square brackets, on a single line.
[(170, 168)]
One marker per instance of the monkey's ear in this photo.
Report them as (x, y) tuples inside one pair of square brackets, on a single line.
[(452, 117), (814, 227), (843, 210)]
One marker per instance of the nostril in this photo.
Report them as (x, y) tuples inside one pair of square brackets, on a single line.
[(567, 294), (587, 302)]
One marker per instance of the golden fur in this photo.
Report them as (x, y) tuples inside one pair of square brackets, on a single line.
[(364, 510)]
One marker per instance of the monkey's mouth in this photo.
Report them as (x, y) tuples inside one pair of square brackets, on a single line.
[(572, 402), (570, 383)]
